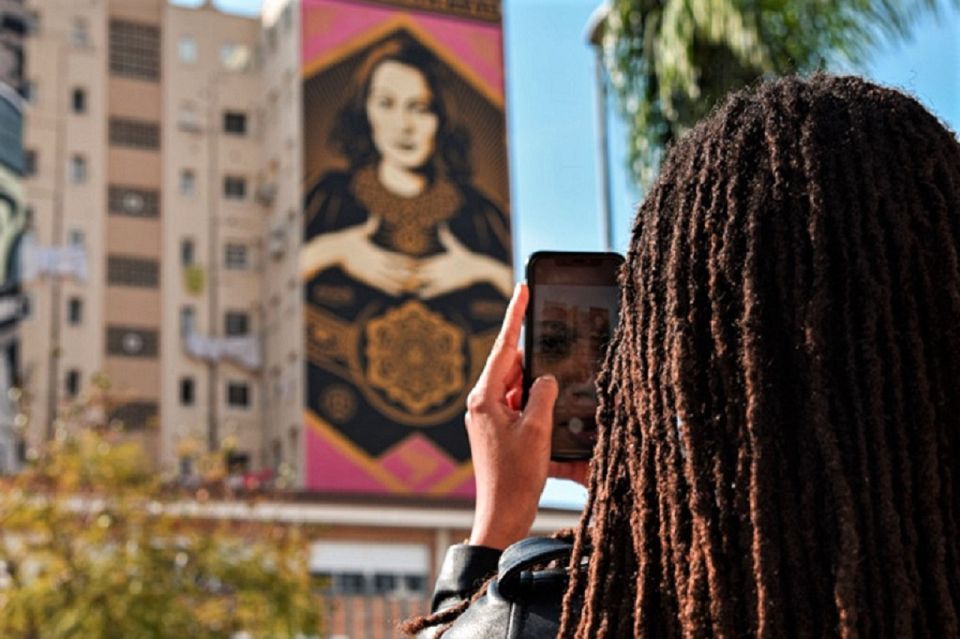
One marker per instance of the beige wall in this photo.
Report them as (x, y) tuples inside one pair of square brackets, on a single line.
[(269, 154), (204, 89), (54, 132), (283, 310)]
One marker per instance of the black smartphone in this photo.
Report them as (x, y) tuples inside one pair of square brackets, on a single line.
[(571, 315)]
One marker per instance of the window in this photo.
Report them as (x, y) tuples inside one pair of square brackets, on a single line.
[(79, 36), (188, 119), (236, 323), (135, 50), (135, 415), (415, 583), (187, 252), (132, 271), (78, 169), (136, 134), (28, 217), (187, 391), (235, 122), (187, 49), (235, 57), (76, 237), (188, 318), (134, 202), (238, 394), (33, 21), (75, 311), (29, 162), (26, 305), (30, 91), (235, 256), (384, 583), (130, 341), (234, 188), (188, 182), (78, 100), (72, 383)]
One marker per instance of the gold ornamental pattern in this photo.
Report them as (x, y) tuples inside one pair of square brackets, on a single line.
[(415, 357)]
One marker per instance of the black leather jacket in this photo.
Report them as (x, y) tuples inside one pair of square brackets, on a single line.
[(523, 601)]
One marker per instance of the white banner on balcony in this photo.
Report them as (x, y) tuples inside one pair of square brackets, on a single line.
[(244, 351), (54, 261)]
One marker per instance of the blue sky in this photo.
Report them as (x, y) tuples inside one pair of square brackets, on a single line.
[(552, 115)]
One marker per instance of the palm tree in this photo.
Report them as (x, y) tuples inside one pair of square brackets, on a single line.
[(670, 61)]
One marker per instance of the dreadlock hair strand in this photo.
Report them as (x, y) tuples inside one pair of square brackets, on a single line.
[(779, 409)]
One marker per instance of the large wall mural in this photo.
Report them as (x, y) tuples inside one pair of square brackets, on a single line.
[(406, 263), (12, 224)]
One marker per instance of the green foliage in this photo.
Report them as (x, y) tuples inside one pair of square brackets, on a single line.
[(671, 61), (89, 549)]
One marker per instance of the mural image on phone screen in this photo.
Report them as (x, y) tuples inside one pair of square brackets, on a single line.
[(572, 317)]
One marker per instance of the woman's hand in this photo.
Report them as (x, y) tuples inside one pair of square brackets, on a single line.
[(458, 267), (352, 250), (510, 447)]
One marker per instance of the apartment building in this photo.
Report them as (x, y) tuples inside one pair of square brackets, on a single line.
[(163, 159), (155, 170)]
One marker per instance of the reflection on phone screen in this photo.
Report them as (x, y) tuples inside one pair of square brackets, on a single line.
[(573, 328)]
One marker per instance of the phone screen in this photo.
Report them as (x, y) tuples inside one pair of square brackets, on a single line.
[(572, 316)]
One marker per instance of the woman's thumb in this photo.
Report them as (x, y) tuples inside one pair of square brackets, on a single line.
[(543, 395)]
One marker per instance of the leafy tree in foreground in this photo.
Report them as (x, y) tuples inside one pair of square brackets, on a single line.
[(90, 549), (671, 61)]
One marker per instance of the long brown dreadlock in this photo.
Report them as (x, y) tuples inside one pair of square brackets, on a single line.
[(779, 443), (780, 407)]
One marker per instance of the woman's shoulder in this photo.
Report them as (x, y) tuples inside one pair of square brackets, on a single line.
[(329, 204), (329, 182), (523, 599)]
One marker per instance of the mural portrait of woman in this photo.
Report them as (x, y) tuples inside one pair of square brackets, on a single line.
[(406, 266)]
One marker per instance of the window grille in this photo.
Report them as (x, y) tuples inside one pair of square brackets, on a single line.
[(135, 50), (236, 323), (136, 415), (133, 271), (136, 134), (238, 394), (235, 122), (235, 256), (125, 200), (234, 188), (132, 342)]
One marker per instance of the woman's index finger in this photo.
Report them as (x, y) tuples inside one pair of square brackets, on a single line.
[(503, 355)]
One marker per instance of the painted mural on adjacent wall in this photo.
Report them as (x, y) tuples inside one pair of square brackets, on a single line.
[(12, 223), (406, 263)]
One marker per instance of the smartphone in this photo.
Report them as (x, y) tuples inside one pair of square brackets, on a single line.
[(571, 315)]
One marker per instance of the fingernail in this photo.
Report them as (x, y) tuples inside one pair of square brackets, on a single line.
[(543, 379)]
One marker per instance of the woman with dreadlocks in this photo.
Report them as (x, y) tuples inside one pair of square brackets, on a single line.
[(779, 444)]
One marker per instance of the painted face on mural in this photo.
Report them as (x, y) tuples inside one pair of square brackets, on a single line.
[(399, 109)]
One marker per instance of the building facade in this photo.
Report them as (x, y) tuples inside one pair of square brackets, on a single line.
[(163, 189), (160, 178)]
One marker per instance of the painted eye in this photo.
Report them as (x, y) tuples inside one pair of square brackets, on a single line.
[(556, 340)]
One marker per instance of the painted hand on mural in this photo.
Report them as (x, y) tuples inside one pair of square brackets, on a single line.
[(458, 267), (352, 250)]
